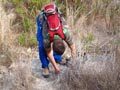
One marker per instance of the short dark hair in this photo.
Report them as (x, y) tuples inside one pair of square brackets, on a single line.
[(58, 46)]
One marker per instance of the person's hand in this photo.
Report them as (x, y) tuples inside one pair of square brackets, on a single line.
[(57, 70), (51, 58)]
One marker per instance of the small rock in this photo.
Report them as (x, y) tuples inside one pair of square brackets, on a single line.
[(29, 50), (5, 60)]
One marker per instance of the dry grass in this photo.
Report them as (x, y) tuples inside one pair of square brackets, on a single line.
[(103, 73), (18, 77), (99, 69)]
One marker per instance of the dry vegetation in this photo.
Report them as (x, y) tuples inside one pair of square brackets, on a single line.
[(97, 35), (18, 77), (93, 72)]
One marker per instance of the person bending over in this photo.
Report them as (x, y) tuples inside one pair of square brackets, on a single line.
[(52, 30)]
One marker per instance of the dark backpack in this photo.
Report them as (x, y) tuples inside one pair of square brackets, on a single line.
[(53, 19)]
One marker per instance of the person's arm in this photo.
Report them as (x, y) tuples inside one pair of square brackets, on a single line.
[(47, 46), (68, 38), (69, 41), (52, 60)]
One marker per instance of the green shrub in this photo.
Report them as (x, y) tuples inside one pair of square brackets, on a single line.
[(21, 39), (27, 11), (17, 2), (32, 41), (88, 40), (26, 39)]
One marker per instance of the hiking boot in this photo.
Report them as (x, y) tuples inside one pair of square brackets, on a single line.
[(46, 72)]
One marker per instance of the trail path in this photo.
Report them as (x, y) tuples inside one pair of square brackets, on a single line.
[(45, 83)]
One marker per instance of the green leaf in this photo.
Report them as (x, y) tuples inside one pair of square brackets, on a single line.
[(19, 10), (17, 2)]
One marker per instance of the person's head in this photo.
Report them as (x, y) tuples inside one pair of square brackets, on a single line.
[(58, 46)]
